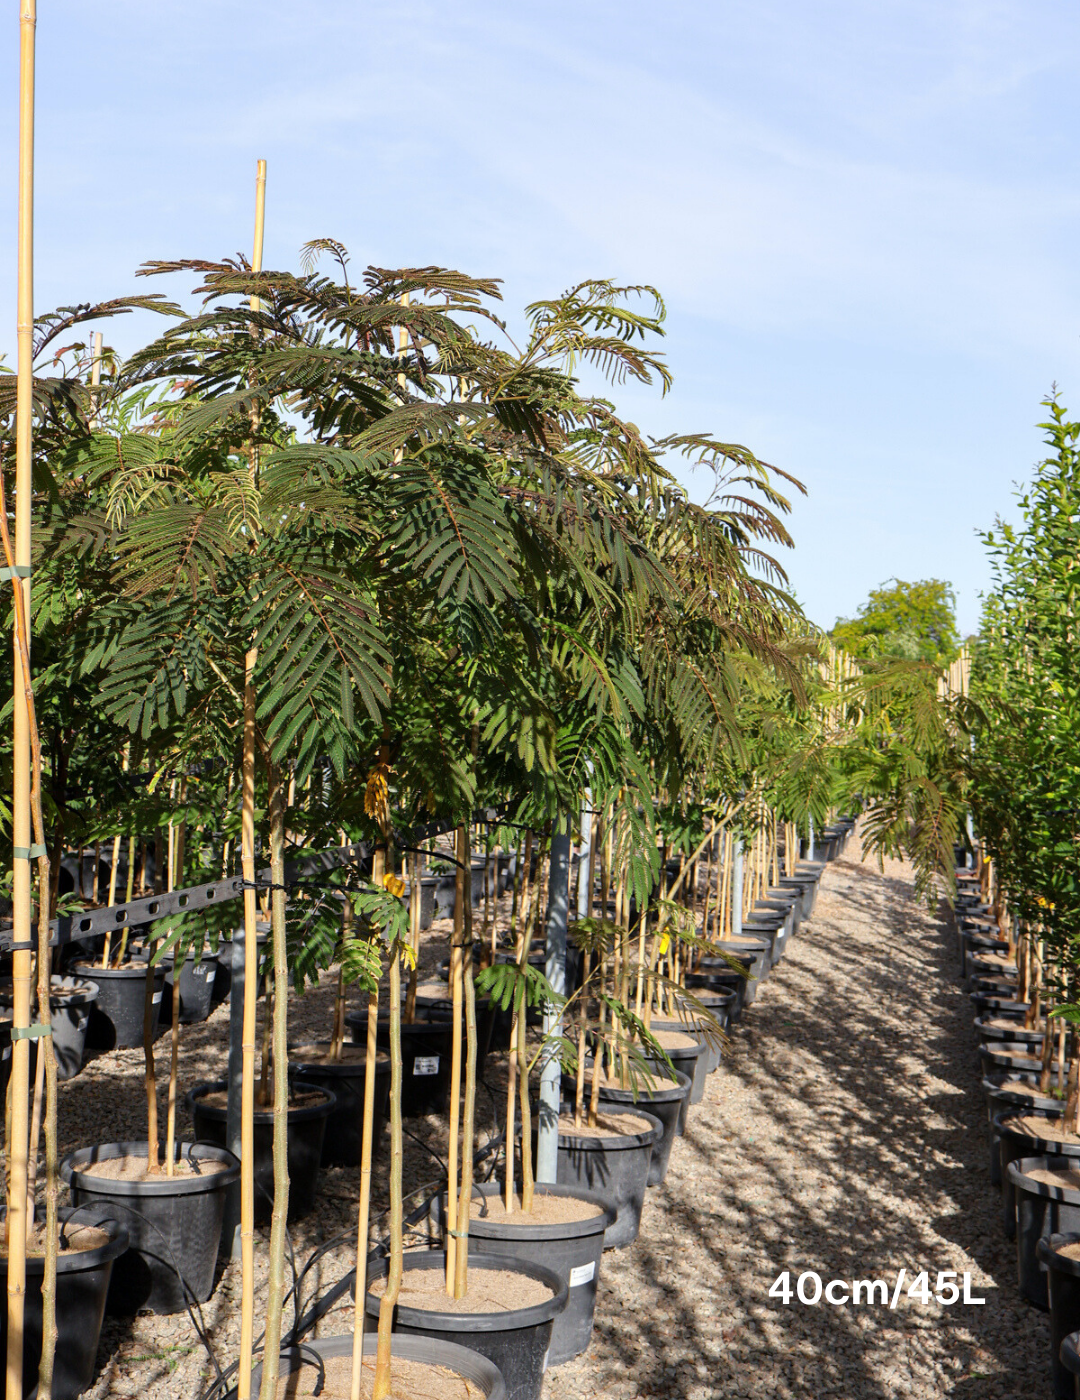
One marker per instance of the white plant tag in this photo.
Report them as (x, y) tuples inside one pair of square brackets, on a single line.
[(157, 998), (584, 1273), (426, 1065)]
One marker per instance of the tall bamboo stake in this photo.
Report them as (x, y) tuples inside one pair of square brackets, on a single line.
[(247, 865), (457, 992), (22, 913)]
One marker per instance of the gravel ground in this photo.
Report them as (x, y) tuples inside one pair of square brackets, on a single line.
[(845, 1133)]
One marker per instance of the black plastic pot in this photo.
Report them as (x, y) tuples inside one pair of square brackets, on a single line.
[(803, 887), (116, 1019), (1013, 1033), (992, 1004), (173, 1224), (571, 1249), (307, 1128), (756, 949), (976, 944), (721, 983), (684, 1059), (999, 1100), (425, 1060), (769, 931), (1063, 1299), (616, 1168), (196, 989), (708, 1056), (71, 1001), (664, 1101), (345, 1079), (516, 1341), (82, 1282), (482, 1375), (1016, 1144), (1041, 1211), (997, 1056), (1069, 1356)]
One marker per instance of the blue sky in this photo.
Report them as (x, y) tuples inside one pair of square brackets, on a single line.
[(864, 217)]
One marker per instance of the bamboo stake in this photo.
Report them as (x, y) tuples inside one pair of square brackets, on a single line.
[(22, 911), (247, 866), (380, 1388), (366, 1146), (457, 991)]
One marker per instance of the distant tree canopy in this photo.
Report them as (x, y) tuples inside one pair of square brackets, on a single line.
[(915, 621)]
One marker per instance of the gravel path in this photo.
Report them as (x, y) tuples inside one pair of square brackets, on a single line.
[(845, 1134)]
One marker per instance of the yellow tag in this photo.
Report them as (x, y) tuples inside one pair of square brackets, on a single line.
[(665, 944), (395, 884)]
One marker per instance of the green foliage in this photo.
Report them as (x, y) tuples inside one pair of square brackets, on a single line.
[(908, 621)]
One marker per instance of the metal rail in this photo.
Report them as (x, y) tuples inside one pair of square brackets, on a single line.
[(71, 927)]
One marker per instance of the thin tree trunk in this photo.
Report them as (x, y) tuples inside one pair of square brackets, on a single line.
[(468, 1131), (276, 1282), (174, 1069), (152, 1149)]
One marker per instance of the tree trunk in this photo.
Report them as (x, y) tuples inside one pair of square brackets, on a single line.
[(153, 1165), (276, 1284)]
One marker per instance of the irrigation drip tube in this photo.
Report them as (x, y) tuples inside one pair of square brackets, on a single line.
[(70, 927)]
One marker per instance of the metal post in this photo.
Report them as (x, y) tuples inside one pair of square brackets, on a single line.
[(810, 846), (584, 893), (547, 1154), (736, 887)]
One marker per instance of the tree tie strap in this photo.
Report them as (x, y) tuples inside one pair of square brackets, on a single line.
[(19, 571), (458, 1234), (26, 947), (29, 852), (34, 1032)]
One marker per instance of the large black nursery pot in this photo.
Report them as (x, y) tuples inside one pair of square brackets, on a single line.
[(663, 1099), (803, 887), (71, 1000), (173, 1223), (309, 1066), (616, 1167), (1000, 1057), (307, 1129), (1043, 1209), (1063, 1300), (1000, 1098), (116, 1018), (755, 949), (1016, 1142), (196, 988), (684, 1051), (698, 1069), (572, 1249), (714, 982), (425, 1060), (483, 1376), (517, 1341), (992, 1003), (82, 1282), (1002, 1028)]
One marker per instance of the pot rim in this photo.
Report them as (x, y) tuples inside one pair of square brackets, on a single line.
[(1047, 1147), (463, 1323), (1018, 1175), (337, 1068), (79, 1180), (94, 1214), (297, 1114), (665, 1094), (1048, 1252), (563, 1230), (583, 1142)]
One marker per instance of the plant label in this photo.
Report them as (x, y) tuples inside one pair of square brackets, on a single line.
[(583, 1273), (426, 1065)]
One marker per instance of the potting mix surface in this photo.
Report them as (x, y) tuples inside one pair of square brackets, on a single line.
[(488, 1291), (546, 1210), (409, 1380)]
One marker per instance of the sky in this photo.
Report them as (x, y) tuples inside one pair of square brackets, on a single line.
[(863, 217)]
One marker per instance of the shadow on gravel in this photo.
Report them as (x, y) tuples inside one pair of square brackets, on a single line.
[(877, 1044)]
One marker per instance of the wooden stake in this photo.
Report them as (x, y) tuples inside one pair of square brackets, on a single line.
[(22, 912), (247, 866)]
